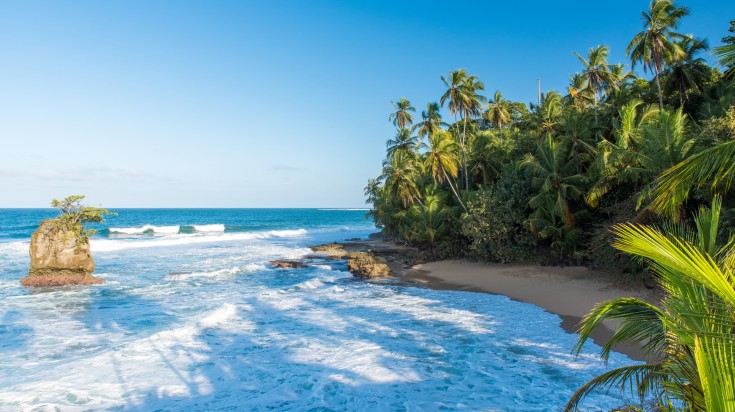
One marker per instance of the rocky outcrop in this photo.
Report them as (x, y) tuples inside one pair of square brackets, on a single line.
[(59, 257), (366, 266), (288, 264)]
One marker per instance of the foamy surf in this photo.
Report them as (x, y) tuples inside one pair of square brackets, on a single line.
[(229, 332), (209, 228), (109, 245), (165, 230)]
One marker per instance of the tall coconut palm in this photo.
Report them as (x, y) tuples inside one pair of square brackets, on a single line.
[(655, 45), (688, 72), (441, 161), (471, 108), (402, 117), (372, 191), (455, 94), (498, 111), (597, 72), (689, 335), (579, 94), (431, 120), (463, 101), (404, 142)]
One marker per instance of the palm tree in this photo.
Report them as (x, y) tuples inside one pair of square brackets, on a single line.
[(579, 94), (554, 175), (654, 46), (688, 73), (486, 153), (498, 111), (402, 118), (404, 142), (431, 120), (400, 175), (690, 334), (596, 71), (455, 94), (463, 101), (726, 53), (471, 107), (659, 142), (713, 168), (577, 132), (372, 191), (616, 160), (548, 113), (441, 161), (621, 77), (430, 219)]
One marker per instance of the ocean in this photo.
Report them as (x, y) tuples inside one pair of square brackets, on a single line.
[(192, 317)]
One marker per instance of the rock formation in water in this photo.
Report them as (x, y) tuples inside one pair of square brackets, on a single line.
[(288, 264), (364, 265), (59, 256)]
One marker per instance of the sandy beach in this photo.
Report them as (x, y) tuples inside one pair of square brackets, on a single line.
[(569, 292)]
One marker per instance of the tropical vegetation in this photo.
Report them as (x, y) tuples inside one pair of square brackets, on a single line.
[(616, 171), (74, 215)]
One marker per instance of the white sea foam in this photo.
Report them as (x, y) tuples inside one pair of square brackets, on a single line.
[(178, 276), (14, 247), (310, 284), (189, 275), (209, 228), (108, 245), (293, 340), (145, 229)]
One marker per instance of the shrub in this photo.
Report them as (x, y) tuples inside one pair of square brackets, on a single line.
[(494, 221)]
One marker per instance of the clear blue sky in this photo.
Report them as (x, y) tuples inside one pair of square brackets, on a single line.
[(261, 104)]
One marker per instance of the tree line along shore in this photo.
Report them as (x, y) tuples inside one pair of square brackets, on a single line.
[(618, 172)]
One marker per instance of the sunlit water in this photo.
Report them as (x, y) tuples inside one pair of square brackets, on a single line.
[(193, 318)]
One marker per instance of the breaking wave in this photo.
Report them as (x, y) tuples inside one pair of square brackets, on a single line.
[(108, 245)]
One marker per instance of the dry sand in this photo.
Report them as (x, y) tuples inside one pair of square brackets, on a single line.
[(569, 292)]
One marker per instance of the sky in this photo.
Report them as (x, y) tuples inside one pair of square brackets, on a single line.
[(263, 104)]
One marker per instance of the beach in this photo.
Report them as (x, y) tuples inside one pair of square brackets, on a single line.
[(570, 292), (567, 291)]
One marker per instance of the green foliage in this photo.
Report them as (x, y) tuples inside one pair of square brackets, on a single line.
[(614, 148), (690, 335), (494, 222), (74, 215)]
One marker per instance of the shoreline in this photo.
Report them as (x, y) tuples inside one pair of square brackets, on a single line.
[(568, 292)]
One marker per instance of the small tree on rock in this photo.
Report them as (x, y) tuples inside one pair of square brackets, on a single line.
[(74, 215)]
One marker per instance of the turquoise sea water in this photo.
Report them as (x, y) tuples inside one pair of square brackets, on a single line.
[(193, 318)]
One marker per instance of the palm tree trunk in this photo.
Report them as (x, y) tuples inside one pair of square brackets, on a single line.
[(660, 98), (594, 96), (453, 190), (418, 199), (464, 158)]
